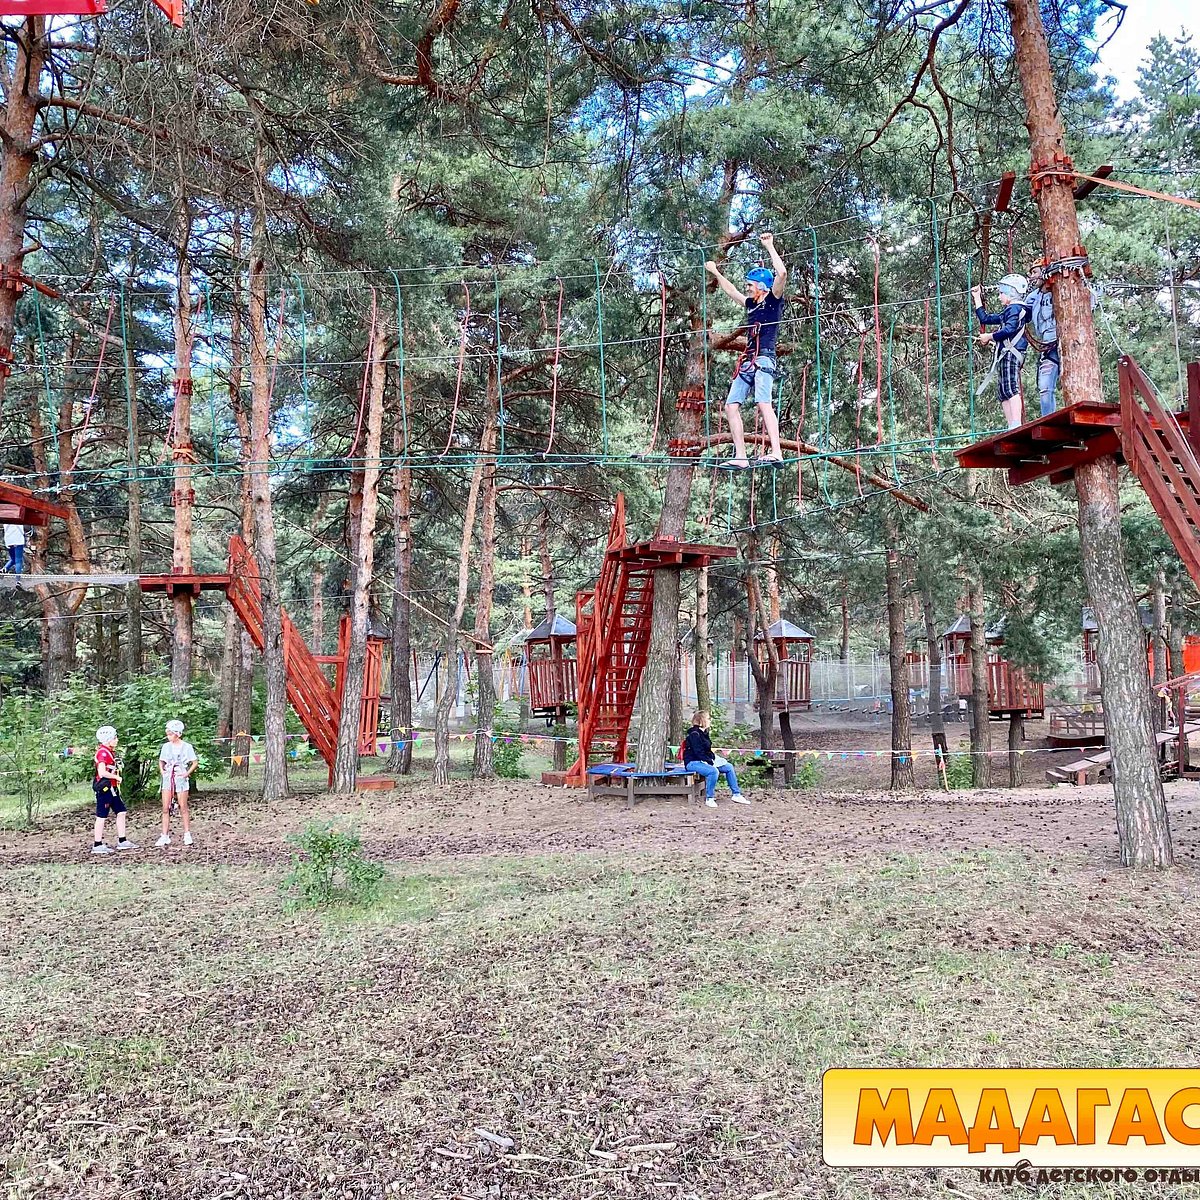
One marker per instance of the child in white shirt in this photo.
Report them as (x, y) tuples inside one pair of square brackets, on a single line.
[(177, 762)]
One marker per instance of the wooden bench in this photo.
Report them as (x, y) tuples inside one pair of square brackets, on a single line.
[(624, 781)]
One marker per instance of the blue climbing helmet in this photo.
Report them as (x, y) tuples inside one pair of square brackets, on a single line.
[(761, 276)]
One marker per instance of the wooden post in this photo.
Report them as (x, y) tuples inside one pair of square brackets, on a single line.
[(1143, 829)]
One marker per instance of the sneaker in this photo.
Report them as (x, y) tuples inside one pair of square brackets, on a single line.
[(102, 848), (127, 845), (187, 839), (710, 803), (738, 798), (163, 840)]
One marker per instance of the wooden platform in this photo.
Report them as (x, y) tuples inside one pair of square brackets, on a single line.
[(191, 584), (667, 553), (1101, 762), (625, 782), (1054, 445), (19, 506)]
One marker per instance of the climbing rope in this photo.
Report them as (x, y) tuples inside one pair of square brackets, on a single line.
[(89, 403), (400, 362)]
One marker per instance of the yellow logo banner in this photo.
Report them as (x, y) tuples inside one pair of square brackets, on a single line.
[(932, 1117)]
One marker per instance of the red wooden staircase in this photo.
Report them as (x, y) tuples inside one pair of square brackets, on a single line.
[(612, 624), (316, 702), (308, 691), (1164, 457)]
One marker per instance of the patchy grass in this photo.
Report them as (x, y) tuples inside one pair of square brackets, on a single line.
[(637, 1024)]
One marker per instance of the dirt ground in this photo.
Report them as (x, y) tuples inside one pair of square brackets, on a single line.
[(562, 999)]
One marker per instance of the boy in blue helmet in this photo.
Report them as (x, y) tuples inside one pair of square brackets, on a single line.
[(1005, 331), (763, 302)]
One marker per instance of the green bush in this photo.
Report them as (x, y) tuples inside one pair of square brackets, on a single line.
[(958, 771), (33, 763), (506, 754), (808, 775), (332, 871), (138, 710)]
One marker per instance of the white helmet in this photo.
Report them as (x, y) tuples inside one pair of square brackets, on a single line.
[(175, 727), (1017, 284), (105, 734)]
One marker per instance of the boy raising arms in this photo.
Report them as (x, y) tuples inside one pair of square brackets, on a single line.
[(763, 302), (176, 762)]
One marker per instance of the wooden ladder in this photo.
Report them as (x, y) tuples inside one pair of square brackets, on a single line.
[(612, 629), (308, 691), (1164, 458)]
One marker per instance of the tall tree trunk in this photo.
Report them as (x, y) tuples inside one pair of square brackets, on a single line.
[(1176, 631), (243, 684), (230, 653), (844, 646), (664, 624), (548, 582), (700, 647), (345, 766), (1160, 643), (903, 775), (275, 783), (132, 658), (60, 604), (1144, 833), (1016, 735), (766, 677), (400, 759), (526, 626), (978, 706), (182, 455), (19, 157), (937, 727), (441, 724), (485, 681)]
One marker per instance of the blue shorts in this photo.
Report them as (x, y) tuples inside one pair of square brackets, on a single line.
[(108, 798), (753, 381)]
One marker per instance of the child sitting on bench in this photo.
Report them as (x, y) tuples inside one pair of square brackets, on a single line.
[(698, 757)]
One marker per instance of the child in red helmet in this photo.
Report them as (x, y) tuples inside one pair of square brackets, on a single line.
[(763, 302)]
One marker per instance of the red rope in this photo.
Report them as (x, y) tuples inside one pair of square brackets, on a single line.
[(554, 368), (862, 346), (91, 400), (800, 437), (462, 355), (878, 353), (362, 392), (754, 474), (662, 359)]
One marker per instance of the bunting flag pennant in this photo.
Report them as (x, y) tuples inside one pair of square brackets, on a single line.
[(238, 759)]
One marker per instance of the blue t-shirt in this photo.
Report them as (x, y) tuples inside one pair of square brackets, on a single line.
[(762, 322)]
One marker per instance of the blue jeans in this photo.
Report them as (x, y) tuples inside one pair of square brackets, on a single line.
[(711, 774), (16, 560), (1048, 367), (761, 377)]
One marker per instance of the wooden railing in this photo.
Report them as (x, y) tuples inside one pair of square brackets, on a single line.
[(308, 690), (794, 686), (1164, 462), (552, 684), (1009, 688)]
